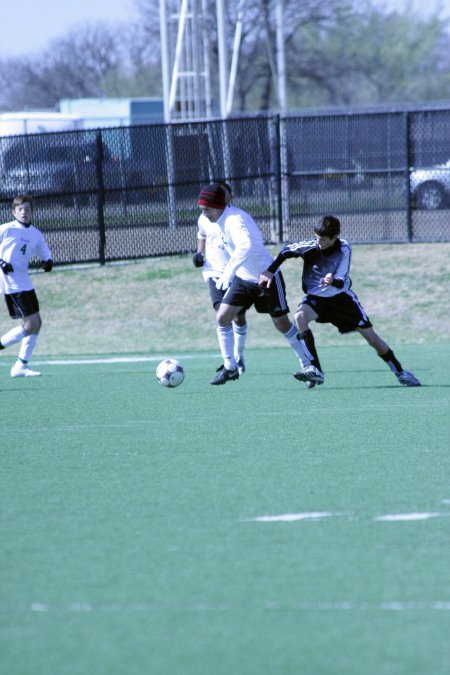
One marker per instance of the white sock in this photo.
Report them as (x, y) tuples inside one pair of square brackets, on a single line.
[(27, 346), (292, 337), (226, 343), (240, 337), (12, 336)]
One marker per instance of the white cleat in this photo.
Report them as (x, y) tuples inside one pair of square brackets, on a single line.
[(310, 374), (23, 371)]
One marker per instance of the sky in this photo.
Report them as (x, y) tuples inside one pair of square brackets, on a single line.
[(40, 21)]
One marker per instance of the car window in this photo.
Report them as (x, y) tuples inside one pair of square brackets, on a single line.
[(19, 156)]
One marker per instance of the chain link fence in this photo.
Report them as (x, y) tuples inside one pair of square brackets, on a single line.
[(130, 192)]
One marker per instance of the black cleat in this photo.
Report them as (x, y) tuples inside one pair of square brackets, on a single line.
[(225, 375)]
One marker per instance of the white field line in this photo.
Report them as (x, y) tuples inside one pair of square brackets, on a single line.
[(270, 605), (318, 515), (121, 359), (409, 516), (291, 517)]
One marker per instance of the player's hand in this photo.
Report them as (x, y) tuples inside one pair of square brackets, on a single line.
[(265, 279), (223, 282), (198, 259), (6, 267), (327, 280), (47, 265)]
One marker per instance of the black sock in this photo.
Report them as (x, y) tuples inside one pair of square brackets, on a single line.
[(309, 346), (392, 361)]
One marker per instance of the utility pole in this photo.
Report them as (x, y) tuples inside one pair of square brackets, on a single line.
[(281, 56)]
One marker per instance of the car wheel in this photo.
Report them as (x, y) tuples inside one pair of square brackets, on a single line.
[(430, 196)]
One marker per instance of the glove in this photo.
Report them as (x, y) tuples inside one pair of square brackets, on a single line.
[(198, 259), (6, 267), (223, 282), (47, 265)]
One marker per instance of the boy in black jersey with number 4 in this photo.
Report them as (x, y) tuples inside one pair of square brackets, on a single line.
[(329, 299)]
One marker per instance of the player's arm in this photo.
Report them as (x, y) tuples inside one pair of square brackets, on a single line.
[(342, 272), (199, 258), (6, 267), (330, 280), (290, 251), (243, 245), (44, 253), (47, 265)]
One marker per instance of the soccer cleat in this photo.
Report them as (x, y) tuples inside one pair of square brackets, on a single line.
[(241, 365), (225, 375), (310, 384), (310, 374), (21, 370), (408, 379)]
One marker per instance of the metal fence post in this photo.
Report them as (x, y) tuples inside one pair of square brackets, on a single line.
[(407, 176), (279, 171), (100, 198)]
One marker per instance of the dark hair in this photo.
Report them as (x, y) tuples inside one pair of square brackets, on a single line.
[(22, 199), (329, 226), (227, 189)]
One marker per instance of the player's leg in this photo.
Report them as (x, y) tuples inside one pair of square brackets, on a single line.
[(273, 301), (32, 326), (240, 338), (312, 370), (289, 331), (216, 298), (225, 316), (23, 306), (405, 377)]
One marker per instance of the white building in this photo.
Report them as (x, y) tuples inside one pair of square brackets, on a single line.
[(20, 123)]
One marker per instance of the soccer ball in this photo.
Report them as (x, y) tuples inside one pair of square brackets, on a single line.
[(170, 373)]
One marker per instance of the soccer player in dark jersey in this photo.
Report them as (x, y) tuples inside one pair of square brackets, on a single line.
[(329, 298)]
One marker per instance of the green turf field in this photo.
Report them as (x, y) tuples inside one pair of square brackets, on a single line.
[(252, 529)]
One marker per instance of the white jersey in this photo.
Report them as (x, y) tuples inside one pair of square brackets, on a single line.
[(216, 255), (18, 244), (244, 241)]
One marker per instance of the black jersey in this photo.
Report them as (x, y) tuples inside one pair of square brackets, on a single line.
[(317, 263)]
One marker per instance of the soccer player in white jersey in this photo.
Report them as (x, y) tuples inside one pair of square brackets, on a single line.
[(19, 242), (239, 279), (329, 298), (212, 256)]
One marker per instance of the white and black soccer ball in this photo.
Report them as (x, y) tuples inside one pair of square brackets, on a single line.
[(170, 373)]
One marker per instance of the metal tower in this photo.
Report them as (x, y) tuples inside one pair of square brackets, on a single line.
[(185, 53)]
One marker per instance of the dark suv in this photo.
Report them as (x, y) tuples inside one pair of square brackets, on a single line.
[(68, 169)]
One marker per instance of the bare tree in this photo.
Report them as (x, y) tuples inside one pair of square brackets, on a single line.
[(338, 52), (91, 60)]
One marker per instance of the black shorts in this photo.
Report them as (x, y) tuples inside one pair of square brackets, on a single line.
[(217, 295), (342, 310), (266, 300), (21, 305)]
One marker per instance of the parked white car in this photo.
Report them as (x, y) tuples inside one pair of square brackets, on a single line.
[(430, 187)]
